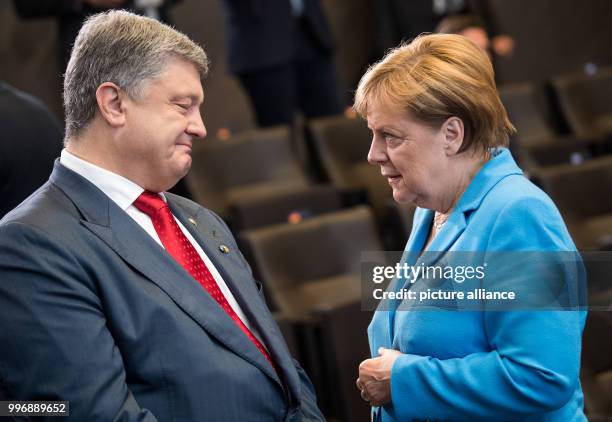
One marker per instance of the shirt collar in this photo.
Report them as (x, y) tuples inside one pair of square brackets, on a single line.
[(120, 190)]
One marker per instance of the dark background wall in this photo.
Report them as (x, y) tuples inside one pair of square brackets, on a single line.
[(552, 37)]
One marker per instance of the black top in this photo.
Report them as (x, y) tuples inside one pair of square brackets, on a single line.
[(30, 140), (264, 33)]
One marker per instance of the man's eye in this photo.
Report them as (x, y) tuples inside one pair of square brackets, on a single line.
[(183, 106)]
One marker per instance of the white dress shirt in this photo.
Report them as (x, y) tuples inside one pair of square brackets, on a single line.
[(124, 192)]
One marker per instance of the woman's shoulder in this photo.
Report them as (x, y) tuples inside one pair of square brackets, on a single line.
[(517, 209), (515, 190)]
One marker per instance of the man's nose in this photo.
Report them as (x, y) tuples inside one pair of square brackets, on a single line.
[(196, 126)]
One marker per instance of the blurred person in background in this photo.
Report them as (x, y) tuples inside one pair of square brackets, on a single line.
[(282, 53), (127, 301), (398, 20), (30, 140), (471, 26), (440, 134)]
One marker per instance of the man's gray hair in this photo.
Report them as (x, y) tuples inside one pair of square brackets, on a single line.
[(122, 48)]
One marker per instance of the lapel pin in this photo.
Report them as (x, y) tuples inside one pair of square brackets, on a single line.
[(224, 249), (192, 221)]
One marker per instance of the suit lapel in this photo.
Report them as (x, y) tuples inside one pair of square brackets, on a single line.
[(416, 241), (231, 268), (124, 236)]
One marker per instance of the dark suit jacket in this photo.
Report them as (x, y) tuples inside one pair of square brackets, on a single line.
[(30, 140), (94, 311), (263, 33)]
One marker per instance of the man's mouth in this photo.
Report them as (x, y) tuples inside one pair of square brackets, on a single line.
[(185, 144)]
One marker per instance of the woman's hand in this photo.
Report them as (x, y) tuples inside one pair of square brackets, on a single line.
[(374, 380)]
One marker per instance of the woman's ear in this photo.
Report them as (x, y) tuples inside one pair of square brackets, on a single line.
[(110, 100), (453, 132)]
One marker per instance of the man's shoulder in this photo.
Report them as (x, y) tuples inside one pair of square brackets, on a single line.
[(46, 209)]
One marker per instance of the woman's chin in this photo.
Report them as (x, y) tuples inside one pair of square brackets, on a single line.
[(403, 197)]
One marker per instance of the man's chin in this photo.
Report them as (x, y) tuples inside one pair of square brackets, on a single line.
[(183, 167)]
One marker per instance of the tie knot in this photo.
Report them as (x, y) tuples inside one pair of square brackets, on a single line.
[(150, 203)]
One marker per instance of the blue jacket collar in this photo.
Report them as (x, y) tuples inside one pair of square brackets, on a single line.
[(500, 165), (497, 168)]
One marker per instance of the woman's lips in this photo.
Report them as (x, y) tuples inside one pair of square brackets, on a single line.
[(393, 179)]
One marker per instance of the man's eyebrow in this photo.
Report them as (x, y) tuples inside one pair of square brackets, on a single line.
[(194, 98)]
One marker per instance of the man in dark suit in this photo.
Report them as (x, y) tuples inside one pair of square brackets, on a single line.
[(30, 140), (130, 303), (281, 50)]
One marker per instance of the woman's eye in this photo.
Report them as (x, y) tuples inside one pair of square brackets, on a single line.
[(390, 138)]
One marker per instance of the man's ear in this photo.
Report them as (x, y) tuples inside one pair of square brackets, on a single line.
[(111, 105), (453, 132)]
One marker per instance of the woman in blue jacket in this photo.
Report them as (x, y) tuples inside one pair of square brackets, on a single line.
[(440, 135)]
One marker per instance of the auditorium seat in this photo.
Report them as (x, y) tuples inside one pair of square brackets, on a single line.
[(342, 144), (313, 273), (251, 164), (583, 195), (344, 338), (291, 207), (596, 373), (538, 141), (314, 262), (551, 152), (254, 178), (528, 110), (587, 102)]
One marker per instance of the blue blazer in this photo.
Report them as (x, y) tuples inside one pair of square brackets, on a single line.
[(94, 311), (486, 366)]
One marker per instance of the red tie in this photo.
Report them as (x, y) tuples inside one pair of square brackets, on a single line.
[(179, 247)]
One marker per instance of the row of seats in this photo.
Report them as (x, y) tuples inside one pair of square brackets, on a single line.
[(564, 142), (583, 194), (311, 272), (567, 120)]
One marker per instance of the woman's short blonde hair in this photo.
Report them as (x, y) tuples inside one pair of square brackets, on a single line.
[(435, 77)]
